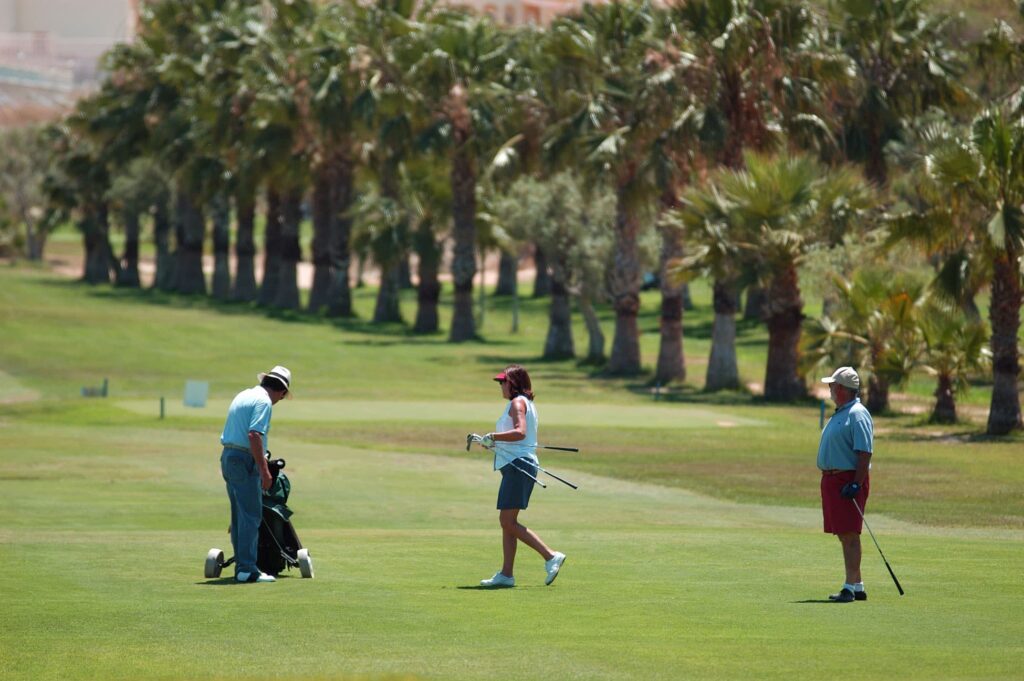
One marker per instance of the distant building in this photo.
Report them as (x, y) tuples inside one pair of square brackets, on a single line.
[(50, 48), (517, 12)]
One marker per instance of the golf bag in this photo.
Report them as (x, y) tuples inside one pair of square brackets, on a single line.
[(278, 545)]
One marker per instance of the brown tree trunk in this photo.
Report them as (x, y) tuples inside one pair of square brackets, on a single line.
[(595, 345), (878, 394), (756, 308), (164, 278), (722, 373), (463, 181), (559, 342), (671, 362), (190, 278), (387, 308), (1004, 413), (945, 401), (130, 261), (428, 292), (245, 247), (96, 269), (625, 290), (287, 297), (220, 208), (542, 278), (782, 381), (508, 267), (324, 216), (339, 295), (271, 249)]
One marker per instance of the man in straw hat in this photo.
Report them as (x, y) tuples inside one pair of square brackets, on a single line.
[(844, 458), (243, 464)]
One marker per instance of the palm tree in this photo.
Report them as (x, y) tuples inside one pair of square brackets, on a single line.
[(954, 349), (876, 328), (978, 176), (904, 64), (459, 74), (614, 101), (772, 213)]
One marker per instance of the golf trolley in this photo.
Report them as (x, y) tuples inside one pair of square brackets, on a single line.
[(279, 547)]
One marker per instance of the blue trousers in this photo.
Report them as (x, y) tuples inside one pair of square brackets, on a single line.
[(246, 497)]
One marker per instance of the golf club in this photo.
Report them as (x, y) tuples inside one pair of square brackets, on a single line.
[(561, 449), (891, 573), (470, 441)]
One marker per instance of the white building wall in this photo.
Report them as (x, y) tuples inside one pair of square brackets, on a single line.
[(93, 19), (8, 16)]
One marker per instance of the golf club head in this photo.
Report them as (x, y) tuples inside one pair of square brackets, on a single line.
[(469, 441)]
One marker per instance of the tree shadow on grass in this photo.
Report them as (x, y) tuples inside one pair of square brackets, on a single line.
[(819, 600)]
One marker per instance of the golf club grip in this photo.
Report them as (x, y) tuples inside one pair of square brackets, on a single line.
[(561, 449), (893, 575)]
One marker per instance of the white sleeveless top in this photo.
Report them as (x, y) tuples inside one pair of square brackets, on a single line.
[(504, 452)]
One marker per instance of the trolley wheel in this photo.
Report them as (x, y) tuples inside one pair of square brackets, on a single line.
[(305, 563), (214, 563)]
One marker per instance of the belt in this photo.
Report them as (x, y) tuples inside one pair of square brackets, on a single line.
[(236, 447), (837, 471)]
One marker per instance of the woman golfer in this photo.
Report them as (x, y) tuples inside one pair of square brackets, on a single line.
[(515, 445)]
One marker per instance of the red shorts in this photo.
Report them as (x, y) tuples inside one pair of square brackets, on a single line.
[(840, 514)]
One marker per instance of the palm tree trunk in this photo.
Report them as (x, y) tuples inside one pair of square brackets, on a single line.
[(542, 278), (782, 381), (163, 279), (687, 300), (756, 308), (1004, 411), (508, 267), (625, 290), (387, 308), (323, 226), (595, 344), (722, 371), (559, 343), (878, 394), (130, 262), (405, 273), (339, 294), (271, 249), (671, 362), (428, 291), (287, 297), (189, 277), (220, 208), (945, 401), (96, 268), (463, 181), (245, 247)]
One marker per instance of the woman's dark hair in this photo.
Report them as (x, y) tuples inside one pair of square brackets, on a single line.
[(271, 383), (518, 382)]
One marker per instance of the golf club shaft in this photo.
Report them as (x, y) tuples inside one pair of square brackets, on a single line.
[(512, 463), (891, 573), (560, 449)]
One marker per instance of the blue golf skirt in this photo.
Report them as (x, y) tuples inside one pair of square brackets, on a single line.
[(516, 488)]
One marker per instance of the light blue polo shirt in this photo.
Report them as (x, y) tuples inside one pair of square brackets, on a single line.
[(850, 430), (249, 411)]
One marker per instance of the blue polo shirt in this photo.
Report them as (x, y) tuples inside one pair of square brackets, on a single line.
[(850, 430), (249, 411)]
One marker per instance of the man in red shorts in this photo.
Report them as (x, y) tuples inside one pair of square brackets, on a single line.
[(844, 458)]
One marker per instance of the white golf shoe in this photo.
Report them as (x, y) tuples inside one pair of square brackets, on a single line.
[(552, 566), (246, 577), (498, 581)]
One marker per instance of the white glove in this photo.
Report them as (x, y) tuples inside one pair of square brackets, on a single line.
[(487, 441)]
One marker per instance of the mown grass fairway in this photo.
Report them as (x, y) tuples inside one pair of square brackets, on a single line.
[(694, 543)]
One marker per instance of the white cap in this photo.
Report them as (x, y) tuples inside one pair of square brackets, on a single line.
[(844, 376), (280, 373)]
